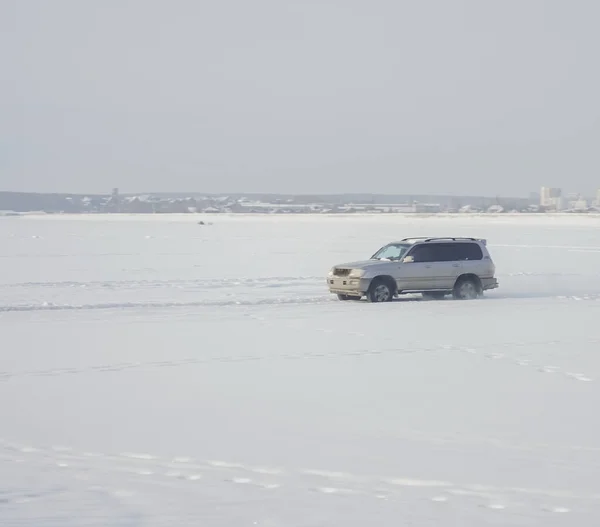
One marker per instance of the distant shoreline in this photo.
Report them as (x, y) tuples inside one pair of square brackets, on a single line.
[(331, 204), (214, 215)]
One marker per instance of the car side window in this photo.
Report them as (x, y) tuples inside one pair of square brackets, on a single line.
[(423, 253), (468, 251), (444, 252)]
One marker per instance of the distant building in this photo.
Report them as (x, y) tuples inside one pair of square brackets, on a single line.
[(551, 198), (114, 202), (580, 204), (430, 208)]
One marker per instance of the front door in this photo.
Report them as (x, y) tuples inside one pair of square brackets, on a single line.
[(420, 274)]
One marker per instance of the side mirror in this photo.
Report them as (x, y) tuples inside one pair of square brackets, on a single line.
[(408, 259)]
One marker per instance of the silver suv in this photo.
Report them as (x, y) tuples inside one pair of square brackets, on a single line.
[(435, 267)]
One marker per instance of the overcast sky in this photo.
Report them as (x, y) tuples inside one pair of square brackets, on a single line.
[(306, 96)]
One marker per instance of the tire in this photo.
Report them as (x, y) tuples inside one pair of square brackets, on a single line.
[(434, 295), (467, 289), (380, 291)]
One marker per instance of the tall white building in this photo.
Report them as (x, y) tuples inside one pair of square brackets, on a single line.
[(551, 198)]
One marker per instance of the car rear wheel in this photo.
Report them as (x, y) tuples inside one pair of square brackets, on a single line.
[(466, 289), (380, 291)]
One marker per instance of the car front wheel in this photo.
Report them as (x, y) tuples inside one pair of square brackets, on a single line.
[(380, 291)]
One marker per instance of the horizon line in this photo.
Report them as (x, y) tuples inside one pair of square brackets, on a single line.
[(287, 194)]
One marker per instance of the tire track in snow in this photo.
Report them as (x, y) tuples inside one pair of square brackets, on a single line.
[(362, 352), (185, 470), (124, 366), (315, 300), (324, 299), (554, 451), (208, 283)]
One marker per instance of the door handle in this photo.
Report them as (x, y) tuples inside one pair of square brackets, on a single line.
[(428, 267), (455, 265)]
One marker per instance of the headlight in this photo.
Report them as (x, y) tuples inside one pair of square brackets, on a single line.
[(356, 273)]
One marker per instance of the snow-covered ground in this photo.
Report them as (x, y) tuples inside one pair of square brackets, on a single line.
[(155, 372)]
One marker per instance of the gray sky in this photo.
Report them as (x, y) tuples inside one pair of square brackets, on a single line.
[(304, 96)]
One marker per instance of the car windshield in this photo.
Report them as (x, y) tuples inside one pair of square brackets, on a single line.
[(393, 251)]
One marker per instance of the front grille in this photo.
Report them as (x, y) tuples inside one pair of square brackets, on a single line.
[(341, 272)]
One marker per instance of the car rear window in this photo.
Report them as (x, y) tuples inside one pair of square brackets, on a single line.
[(467, 251)]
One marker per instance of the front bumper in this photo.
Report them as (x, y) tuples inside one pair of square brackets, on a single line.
[(489, 283), (347, 286)]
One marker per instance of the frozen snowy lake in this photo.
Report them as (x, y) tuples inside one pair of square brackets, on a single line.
[(155, 372)]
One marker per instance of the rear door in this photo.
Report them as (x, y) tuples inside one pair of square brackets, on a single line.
[(472, 261), (446, 268)]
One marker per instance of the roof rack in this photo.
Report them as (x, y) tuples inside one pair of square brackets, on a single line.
[(453, 238), (435, 238), (440, 238)]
